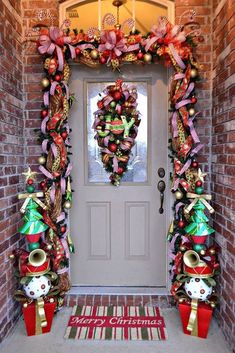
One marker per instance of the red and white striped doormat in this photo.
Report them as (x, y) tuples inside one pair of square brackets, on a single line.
[(116, 323)]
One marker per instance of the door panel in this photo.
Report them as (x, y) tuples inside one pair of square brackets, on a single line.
[(118, 232)]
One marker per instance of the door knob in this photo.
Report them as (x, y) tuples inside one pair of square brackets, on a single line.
[(161, 188)]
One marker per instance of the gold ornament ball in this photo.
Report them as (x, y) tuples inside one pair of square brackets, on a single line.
[(41, 160), (191, 111), (45, 82), (11, 256), (25, 305), (147, 57), (202, 252), (67, 205), (212, 251), (212, 304), (193, 73), (94, 54), (49, 247), (178, 195), (181, 300), (182, 248)]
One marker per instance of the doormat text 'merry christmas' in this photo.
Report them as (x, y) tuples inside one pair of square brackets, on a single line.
[(116, 323)]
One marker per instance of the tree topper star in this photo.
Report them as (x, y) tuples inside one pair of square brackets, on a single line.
[(29, 174), (201, 175)]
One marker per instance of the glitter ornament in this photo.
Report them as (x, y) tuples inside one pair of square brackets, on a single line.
[(196, 288), (39, 286)]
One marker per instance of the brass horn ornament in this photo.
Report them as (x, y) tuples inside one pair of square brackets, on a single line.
[(191, 258), (37, 257)]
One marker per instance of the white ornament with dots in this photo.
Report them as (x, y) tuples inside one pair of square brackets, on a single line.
[(37, 287), (196, 288)]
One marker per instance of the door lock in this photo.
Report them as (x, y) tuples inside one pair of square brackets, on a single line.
[(161, 172)]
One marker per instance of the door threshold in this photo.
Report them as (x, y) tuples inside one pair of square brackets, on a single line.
[(100, 290)]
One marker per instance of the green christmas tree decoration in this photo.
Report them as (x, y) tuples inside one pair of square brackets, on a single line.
[(33, 226), (199, 222), (32, 219), (199, 228)]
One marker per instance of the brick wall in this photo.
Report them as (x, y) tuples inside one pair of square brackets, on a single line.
[(11, 153), (223, 155)]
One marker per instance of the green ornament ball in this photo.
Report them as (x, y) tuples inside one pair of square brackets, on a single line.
[(33, 246), (113, 104), (199, 190), (30, 188), (198, 247)]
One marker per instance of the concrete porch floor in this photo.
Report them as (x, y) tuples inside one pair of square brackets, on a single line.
[(54, 342)]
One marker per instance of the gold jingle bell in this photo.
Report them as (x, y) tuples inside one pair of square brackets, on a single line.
[(41, 160), (178, 195), (191, 111), (193, 73), (45, 82), (67, 205), (94, 54), (147, 57)]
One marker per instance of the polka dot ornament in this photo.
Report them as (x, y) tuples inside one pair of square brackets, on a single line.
[(37, 287), (196, 288)]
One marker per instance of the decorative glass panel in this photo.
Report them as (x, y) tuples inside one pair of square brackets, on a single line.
[(137, 166)]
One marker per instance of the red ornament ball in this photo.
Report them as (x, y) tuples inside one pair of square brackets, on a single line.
[(140, 55), (42, 184), (30, 181), (120, 170), (198, 183), (57, 77), (194, 164), (63, 229), (103, 60), (112, 147), (181, 224), (194, 100), (44, 113), (77, 51), (117, 95), (64, 135)]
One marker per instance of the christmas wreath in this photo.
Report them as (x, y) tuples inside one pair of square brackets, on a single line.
[(116, 125)]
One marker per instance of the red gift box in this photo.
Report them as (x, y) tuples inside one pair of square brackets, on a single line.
[(38, 317), (201, 324)]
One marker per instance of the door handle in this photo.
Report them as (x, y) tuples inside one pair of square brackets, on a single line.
[(161, 187)]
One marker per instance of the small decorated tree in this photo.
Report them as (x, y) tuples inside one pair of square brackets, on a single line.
[(37, 282)]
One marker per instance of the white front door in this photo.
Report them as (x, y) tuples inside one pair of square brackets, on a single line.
[(118, 232)]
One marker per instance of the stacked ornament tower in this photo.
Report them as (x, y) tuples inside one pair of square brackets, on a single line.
[(195, 262), (39, 290)]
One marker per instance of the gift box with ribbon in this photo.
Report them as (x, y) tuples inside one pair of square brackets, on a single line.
[(196, 318), (38, 316)]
